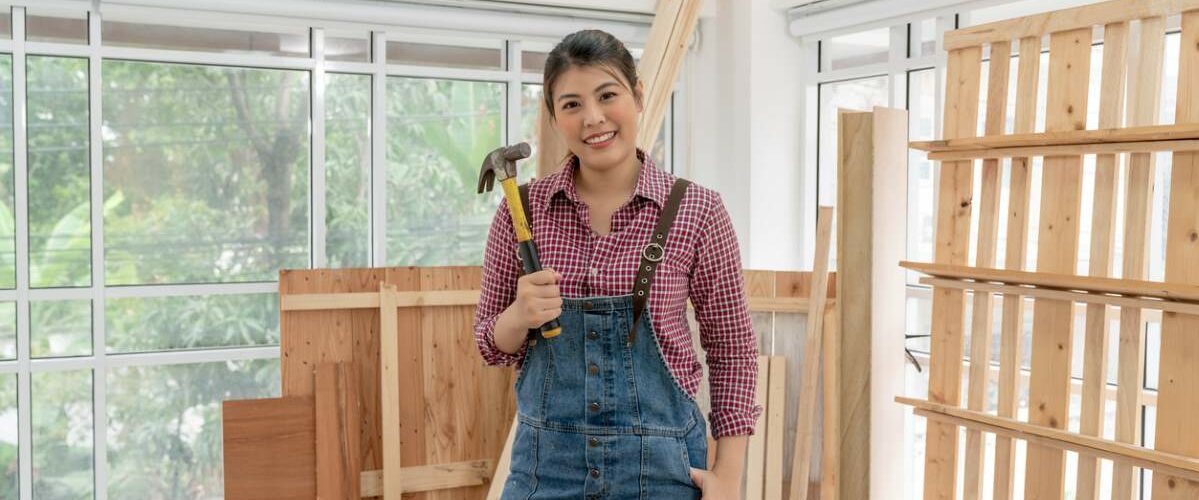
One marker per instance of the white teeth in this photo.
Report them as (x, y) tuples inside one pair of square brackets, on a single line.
[(601, 138)]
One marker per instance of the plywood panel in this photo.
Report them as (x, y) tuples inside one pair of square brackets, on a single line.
[(338, 454), (269, 448)]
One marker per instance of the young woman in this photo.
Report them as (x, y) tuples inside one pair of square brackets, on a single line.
[(606, 408)]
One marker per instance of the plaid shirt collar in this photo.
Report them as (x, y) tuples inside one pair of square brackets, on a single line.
[(652, 183)]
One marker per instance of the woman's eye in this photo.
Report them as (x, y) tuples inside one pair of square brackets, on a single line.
[(570, 105), (607, 95)]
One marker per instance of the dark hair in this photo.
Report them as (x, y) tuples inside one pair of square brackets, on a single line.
[(588, 48)]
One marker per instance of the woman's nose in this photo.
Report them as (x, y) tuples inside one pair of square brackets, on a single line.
[(593, 116)]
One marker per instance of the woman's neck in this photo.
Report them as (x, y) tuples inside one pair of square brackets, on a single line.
[(611, 184)]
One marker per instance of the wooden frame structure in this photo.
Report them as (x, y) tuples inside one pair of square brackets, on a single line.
[(1133, 34)]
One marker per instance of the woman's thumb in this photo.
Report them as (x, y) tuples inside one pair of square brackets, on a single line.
[(697, 477)]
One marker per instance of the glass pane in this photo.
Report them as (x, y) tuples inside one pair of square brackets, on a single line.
[(60, 328), (57, 28), (347, 49), (348, 170), (530, 106), (8, 233), (425, 54), (439, 131), (60, 227), (533, 61), (8, 330), (922, 95), (62, 435), (164, 425), (206, 173), (160, 323), (662, 142), (857, 49), (922, 38), (8, 435), (161, 36), (857, 95), (5, 31)]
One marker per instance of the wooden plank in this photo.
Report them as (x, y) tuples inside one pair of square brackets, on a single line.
[(420, 478), (776, 403), (755, 461), (1178, 386), (952, 247), (367, 300), (662, 72), (1144, 92), (504, 466), (1012, 324), (389, 371), (1057, 249), (1102, 135), (1050, 293), (1061, 440), (1103, 242), (804, 434), (1070, 149), (830, 454), (338, 454), (1065, 20), (268, 448), (1181, 292), (988, 231)]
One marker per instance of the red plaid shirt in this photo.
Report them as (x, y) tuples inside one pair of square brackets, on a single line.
[(702, 263)]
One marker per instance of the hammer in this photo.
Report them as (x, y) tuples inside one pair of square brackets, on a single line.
[(501, 164)]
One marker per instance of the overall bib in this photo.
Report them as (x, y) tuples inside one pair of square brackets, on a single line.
[(599, 414)]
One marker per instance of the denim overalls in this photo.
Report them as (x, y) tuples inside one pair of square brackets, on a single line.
[(600, 415)]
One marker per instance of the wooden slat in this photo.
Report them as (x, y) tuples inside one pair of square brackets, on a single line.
[(1051, 293), (1065, 20), (1012, 324), (988, 231), (1144, 92), (830, 453), (805, 432), (390, 385), (1102, 135), (268, 448), (1071, 149), (430, 477), (1131, 287), (1057, 249), (338, 454), (1178, 386), (1061, 440), (952, 247), (776, 404), (755, 461), (662, 67), (1094, 376), (366, 300), (504, 466)]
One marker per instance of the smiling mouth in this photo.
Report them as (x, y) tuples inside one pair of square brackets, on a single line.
[(597, 139)]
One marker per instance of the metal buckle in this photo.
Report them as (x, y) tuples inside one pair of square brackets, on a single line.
[(653, 252)]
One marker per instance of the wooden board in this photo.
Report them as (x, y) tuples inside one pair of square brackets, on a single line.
[(1065, 20), (776, 404), (952, 246), (1178, 386), (805, 433), (755, 460), (1057, 250), (830, 455), (269, 448), (338, 454), (1103, 241), (1012, 324), (1144, 92)]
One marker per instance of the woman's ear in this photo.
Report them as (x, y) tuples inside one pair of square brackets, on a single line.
[(639, 96)]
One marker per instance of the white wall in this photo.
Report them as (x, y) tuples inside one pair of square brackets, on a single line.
[(744, 128)]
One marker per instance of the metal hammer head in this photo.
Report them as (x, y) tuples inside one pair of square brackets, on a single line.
[(501, 164)]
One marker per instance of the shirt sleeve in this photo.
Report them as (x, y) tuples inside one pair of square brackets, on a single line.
[(726, 331), (501, 269)]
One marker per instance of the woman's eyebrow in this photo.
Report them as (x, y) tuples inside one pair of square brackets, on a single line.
[(602, 86)]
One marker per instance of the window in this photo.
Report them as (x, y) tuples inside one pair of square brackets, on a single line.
[(170, 173)]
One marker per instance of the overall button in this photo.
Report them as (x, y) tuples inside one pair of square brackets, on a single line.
[(593, 442), (592, 335), (592, 369), (594, 473), (594, 406), (587, 305)]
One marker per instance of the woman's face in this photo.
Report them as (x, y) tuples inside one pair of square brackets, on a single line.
[(596, 114)]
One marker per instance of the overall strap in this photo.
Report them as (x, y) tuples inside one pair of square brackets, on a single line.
[(653, 253)]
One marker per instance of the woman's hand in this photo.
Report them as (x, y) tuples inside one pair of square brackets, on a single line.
[(537, 298), (716, 485)]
